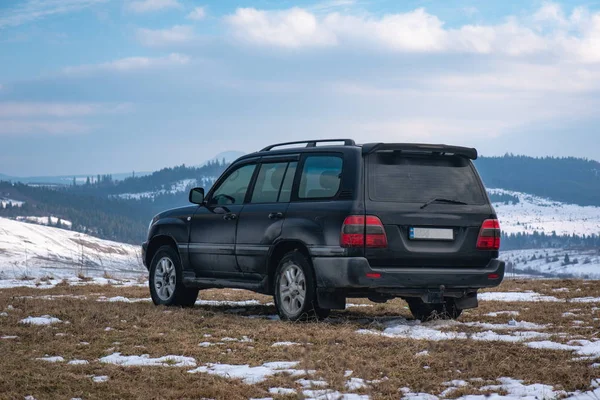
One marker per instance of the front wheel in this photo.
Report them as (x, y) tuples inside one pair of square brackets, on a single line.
[(427, 312), (166, 280), (295, 289)]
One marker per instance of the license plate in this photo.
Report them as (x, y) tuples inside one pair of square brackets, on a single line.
[(430, 234)]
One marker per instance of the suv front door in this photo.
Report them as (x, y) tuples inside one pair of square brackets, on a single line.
[(213, 227), (261, 220)]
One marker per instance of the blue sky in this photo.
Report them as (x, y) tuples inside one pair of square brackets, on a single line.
[(107, 86)]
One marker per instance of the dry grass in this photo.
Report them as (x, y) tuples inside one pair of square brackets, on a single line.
[(330, 347)]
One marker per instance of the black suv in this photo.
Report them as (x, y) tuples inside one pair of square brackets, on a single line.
[(315, 224)]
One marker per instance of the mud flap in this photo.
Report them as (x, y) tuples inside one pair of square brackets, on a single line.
[(330, 300), (466, 302)]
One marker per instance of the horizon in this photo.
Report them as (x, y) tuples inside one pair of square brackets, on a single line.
[(112, 86), (136, 172)]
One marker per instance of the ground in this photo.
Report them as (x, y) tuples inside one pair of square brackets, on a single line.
[(542, 340)]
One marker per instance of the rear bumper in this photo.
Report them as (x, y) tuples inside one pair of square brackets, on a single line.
[(351, 273)]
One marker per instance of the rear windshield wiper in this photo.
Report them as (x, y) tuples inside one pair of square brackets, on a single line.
[(442, 200)]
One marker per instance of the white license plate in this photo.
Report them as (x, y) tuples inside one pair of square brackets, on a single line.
[(430, 234)]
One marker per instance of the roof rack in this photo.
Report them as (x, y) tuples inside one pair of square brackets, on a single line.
[(311, 143), (417, 147)]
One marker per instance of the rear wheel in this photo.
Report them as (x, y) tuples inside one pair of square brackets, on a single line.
[(166, 280), (427, 312), (295, 289)]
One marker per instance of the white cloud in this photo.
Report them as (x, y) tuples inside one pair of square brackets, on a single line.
[(143, 6), (178, 34), (548, 31), (131, 64), (33, 10), (412, 31), (197, 14), (333, 4), (292, 28)]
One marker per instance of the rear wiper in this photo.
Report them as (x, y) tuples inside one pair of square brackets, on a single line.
[(442, 200)]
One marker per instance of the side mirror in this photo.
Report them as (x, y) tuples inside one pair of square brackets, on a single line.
[(197, 196)]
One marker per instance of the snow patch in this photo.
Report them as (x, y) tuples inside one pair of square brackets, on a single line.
[(145, 360), (52, 359), (43, 320), (516, 296), (78, 362), (249, 375)]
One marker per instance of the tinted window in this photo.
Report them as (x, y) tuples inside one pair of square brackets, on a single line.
[(233, 189), (268, 182), (418, 179), (286, 188), (321, 177)]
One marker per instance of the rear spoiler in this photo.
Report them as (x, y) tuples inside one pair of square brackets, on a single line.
[(440, 149)]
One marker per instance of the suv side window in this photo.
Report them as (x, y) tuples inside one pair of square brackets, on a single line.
[(233, 189), (321, 176), (268, 182), (274, 182)]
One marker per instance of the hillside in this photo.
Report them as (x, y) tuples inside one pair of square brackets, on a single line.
[(30, 250), (535, 214), (568, 180)]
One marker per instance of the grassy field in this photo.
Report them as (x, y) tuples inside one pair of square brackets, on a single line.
[(218, 337)]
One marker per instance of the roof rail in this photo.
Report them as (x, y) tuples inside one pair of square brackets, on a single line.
[(311, 143), (417, 147)]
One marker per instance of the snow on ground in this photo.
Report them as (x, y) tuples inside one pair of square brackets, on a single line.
[(51, 359), (514, 389), (249, 375), (534, 213), (44, 221), (29, 250), (146, 361), (530, 296), (516, 296), (285, 344), (42, 283), (43, 320)]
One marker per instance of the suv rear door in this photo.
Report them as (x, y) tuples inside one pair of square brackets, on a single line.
[(398, 186)]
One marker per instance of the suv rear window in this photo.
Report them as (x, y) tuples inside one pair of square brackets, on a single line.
[(398, 177), (320, 177)]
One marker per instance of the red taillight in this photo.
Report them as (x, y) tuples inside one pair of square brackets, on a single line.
[(489, 235), (359, 231)]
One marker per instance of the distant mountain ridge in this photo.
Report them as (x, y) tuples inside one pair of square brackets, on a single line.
[(120, 209), (568, 180)]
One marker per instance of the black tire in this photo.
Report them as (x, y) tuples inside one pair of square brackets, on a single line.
[(309, 310), (180, 296), (428, 312)]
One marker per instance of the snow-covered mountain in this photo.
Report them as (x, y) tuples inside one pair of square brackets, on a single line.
[(30, 250), (576, 263), (534, 213)]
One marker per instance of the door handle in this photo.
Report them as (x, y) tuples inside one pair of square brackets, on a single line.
[(229, 216), (275, 215)]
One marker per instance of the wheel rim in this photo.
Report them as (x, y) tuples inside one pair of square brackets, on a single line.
[(164, 278), (292, 289)]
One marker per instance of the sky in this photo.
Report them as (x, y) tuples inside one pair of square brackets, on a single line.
[(109, 86)]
